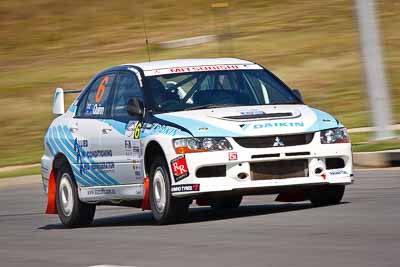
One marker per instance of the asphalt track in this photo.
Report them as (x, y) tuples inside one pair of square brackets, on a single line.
[(364, 230)]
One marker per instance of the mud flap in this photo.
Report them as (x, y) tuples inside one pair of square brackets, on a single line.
[(146, 198), (291, 197), (51, 195), (202, 202)]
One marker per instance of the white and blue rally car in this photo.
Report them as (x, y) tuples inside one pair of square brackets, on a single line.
[(158, 135)]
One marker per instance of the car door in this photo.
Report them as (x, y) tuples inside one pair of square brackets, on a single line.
[(127, 154), (85, 131)]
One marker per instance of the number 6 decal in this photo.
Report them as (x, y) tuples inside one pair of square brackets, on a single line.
[(101, 89)]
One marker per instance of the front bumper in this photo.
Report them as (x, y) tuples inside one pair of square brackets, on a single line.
[(314, 155)]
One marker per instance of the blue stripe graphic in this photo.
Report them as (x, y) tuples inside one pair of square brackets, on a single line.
[(71, 156), (324, 121), (98, 173), (53, 142), (69, 150), (79, 178)]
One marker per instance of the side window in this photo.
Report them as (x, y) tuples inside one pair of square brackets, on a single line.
[(94, 104), (127, 87)]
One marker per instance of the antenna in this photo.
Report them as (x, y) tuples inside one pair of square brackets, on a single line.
[(147, 39)]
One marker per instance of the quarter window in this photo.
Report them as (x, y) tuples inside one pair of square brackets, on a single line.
[(97, 99)]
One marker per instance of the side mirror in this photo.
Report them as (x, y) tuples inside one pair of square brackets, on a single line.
[(135, 107), (298, 94)]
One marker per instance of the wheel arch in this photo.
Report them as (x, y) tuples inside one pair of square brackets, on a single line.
[(59, 160), (153, 148)]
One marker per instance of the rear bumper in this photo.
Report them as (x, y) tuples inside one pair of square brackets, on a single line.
[(46, 166)]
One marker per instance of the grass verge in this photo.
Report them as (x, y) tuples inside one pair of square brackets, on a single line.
[(20, 172)]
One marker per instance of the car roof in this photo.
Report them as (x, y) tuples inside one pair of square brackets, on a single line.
[(176, 63)]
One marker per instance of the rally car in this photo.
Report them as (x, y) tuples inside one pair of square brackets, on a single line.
[(158, 135)]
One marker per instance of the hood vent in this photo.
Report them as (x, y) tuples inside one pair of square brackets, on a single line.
[(261, 116)]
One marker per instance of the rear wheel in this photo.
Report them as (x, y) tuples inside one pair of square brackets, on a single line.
[(232, 202), (165, 208), (327, 195), (71, 211)]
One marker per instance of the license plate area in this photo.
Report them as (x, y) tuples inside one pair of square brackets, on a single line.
[(281, 169)]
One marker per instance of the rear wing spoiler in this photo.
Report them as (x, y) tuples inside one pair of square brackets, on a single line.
[(58, 101)]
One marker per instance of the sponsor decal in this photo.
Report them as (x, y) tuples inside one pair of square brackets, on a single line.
[(257, 126), (203, 129), (252, 112), (129, 154), (101, 191), (232, 155), (128, 144), (105, 166), (204, 68), (136, 150), (94, 109), (132, 150), (185, 188), (201, 68), (135, 165), (338, 172), (97, 153), (80, 153), (156, 128), (80, 143), (130, 128), (179, 168)]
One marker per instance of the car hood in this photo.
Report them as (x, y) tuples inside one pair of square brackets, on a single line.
[(251, 120)]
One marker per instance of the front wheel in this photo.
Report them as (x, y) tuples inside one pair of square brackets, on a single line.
[(164, 207), (71, 211), (327, 195)]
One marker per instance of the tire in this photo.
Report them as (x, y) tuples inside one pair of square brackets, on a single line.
[(165, 208), (327, 195), (71, 211), (226, 203)]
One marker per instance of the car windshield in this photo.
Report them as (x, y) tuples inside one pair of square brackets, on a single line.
[(212, 89)]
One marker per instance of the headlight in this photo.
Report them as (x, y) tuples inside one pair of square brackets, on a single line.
[(334, 136), (203, 144)]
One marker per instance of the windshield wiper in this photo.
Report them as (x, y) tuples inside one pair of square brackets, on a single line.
[(212, 106)]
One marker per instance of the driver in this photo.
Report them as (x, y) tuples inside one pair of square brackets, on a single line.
[(160, 94)]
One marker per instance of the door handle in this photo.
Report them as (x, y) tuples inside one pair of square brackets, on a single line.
[(73, 129), (106, 130)]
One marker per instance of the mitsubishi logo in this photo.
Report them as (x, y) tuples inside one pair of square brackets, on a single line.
[(278, 142)]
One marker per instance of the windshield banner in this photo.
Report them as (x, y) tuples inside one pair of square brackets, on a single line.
[(176, 70)]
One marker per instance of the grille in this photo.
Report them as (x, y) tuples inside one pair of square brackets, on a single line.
[(269, 141), (279, 169)]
